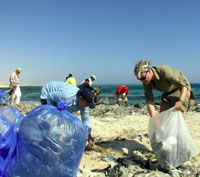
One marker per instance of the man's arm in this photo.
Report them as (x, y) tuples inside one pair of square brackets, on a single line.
[(150, 100), (183, 93), (152, 109)]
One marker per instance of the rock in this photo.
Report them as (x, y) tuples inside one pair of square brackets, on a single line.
[(125, 151), (157, 174), (103, 101)]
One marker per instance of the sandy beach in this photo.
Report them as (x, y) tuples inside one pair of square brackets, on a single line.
[(122, 135), (128, 134), (6, 84)]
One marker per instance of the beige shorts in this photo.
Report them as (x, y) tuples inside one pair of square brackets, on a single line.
[(121, 96)]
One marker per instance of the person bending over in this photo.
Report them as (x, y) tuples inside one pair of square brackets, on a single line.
[(81, 98), (173, 83), (121, 95)]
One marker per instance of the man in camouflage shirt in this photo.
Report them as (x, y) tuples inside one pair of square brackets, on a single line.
[(174, 85)]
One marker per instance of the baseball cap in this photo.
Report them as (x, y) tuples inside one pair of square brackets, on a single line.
[(87, 94), (94, 77)]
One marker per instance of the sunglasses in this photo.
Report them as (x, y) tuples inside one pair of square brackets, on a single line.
[(144, 77)]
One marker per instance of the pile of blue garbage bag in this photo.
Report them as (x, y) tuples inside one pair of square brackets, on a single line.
[(49, 141)]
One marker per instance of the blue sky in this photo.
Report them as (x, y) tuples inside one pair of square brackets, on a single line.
[(49, 39)]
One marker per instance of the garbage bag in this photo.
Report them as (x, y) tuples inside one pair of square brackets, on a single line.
[(3, 98), (170, 139), (51, 142), (9, 125)]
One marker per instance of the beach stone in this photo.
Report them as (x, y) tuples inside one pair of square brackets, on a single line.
[(115, 111), (125, 172), (103, 101), (87, 173), (138, 105), (197, 109), (157, 174), (125, 151), (198, 174)]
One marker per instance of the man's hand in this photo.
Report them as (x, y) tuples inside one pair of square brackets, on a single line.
[(178, 105), (14, 85), (91, 139)]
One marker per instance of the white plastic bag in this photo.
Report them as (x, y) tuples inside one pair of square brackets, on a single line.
[(170, 138)]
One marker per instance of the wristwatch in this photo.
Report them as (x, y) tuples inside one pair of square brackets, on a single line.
[(180, 100)]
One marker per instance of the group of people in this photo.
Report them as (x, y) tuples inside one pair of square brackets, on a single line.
[(79, 98), (71, 80), (175, 86), (173, 83)]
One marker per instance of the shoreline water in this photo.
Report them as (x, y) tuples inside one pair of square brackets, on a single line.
[(135, 96)]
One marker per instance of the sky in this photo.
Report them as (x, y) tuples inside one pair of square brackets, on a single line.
[(49, 39)]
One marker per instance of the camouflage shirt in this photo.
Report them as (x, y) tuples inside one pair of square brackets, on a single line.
[(165, 79)]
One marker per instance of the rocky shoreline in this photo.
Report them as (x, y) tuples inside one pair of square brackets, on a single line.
[(122, 147), (105, 109)]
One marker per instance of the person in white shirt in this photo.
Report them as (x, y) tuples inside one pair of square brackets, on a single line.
[(15, 92), (89, 80)]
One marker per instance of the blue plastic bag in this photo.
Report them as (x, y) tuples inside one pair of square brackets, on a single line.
[(3, 98), (9, 125), (51, 142)]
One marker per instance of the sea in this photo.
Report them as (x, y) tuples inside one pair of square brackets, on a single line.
[(135, 96)]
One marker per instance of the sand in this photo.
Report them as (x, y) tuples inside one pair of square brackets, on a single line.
[(6, 84), (129, 133), (122, 133)]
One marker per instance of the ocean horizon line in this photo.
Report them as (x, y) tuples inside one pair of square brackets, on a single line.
[(6, 84)]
